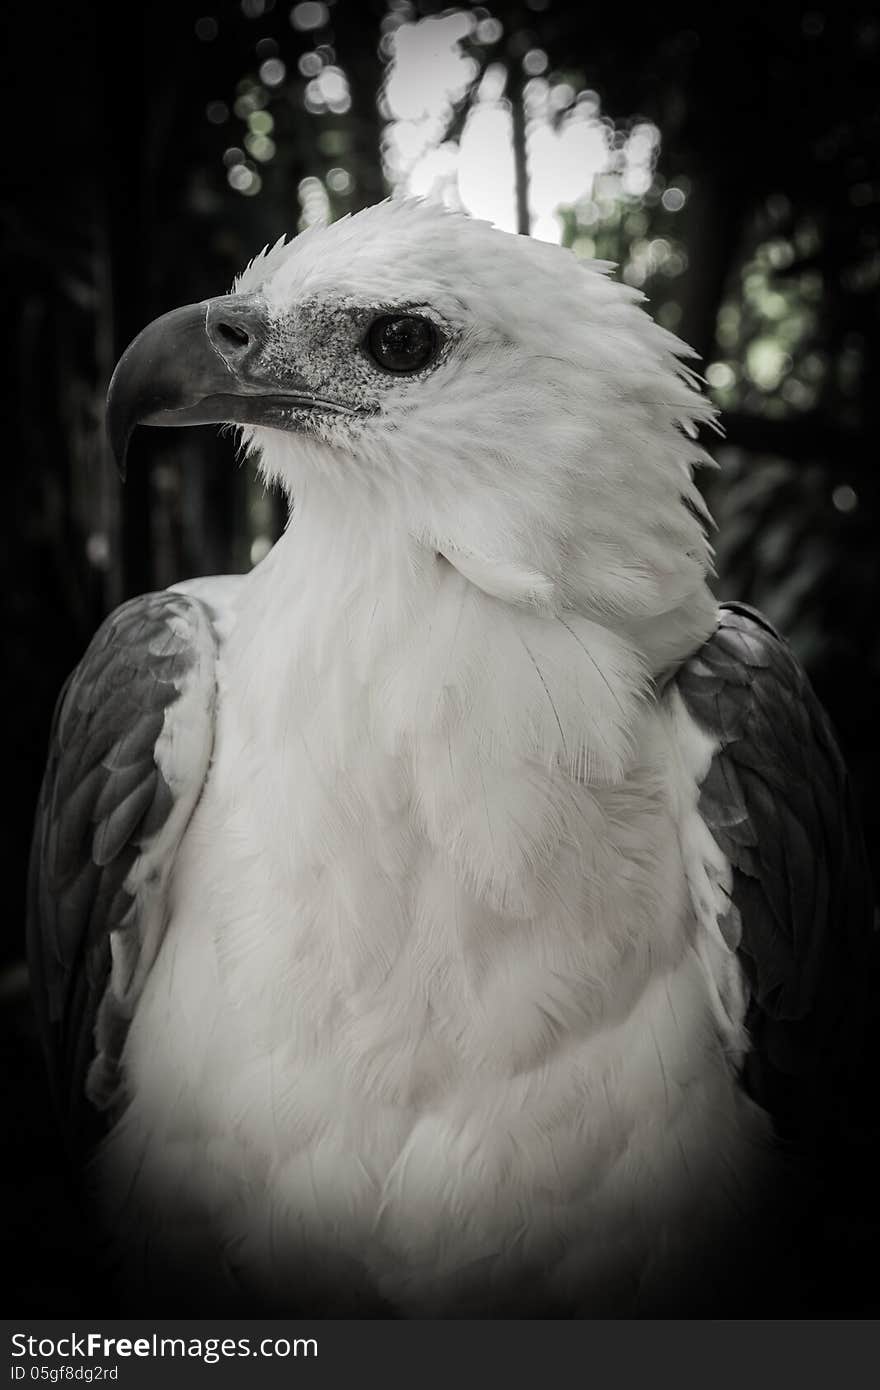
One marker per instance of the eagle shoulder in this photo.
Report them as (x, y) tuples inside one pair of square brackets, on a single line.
[(129, 750)]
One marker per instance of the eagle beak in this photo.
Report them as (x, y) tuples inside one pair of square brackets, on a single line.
[(205, 364)]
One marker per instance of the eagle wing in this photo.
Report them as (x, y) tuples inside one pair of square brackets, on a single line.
[(129, 750), (780, 804)]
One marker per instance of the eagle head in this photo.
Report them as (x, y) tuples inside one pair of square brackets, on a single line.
[(491, 396)]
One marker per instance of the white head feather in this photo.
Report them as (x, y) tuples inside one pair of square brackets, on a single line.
[(547, 452)]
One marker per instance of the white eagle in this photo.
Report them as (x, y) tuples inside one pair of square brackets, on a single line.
[(453, 915)]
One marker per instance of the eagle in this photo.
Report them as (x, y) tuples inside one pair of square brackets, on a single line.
[(461, 913)]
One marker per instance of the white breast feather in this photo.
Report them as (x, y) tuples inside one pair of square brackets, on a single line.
[(443, 993)]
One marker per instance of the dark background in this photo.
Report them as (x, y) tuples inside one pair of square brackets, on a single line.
[(133, 180)]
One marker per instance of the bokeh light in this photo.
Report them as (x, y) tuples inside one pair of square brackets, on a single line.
[(308, 16), (272, 72)]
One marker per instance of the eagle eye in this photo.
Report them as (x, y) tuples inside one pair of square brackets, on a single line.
[(402, 342)]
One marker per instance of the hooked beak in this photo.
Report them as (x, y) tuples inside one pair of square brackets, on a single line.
[(205, 364)]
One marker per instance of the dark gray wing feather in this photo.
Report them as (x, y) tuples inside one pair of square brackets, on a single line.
[(112, 795), (780, 804)]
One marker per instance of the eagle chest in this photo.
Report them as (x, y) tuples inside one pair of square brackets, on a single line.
[(425, 996)]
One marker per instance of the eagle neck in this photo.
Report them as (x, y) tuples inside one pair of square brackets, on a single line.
[(340, 588)]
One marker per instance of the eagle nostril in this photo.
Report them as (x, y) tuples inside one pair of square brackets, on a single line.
[(232, 334)]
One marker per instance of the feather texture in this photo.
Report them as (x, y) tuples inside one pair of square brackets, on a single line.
[(780, 805), (95, 915)]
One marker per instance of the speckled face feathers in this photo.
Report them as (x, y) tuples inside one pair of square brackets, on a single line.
[(546, 451)]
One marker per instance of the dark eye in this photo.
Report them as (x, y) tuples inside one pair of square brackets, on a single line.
[(402, 344)]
